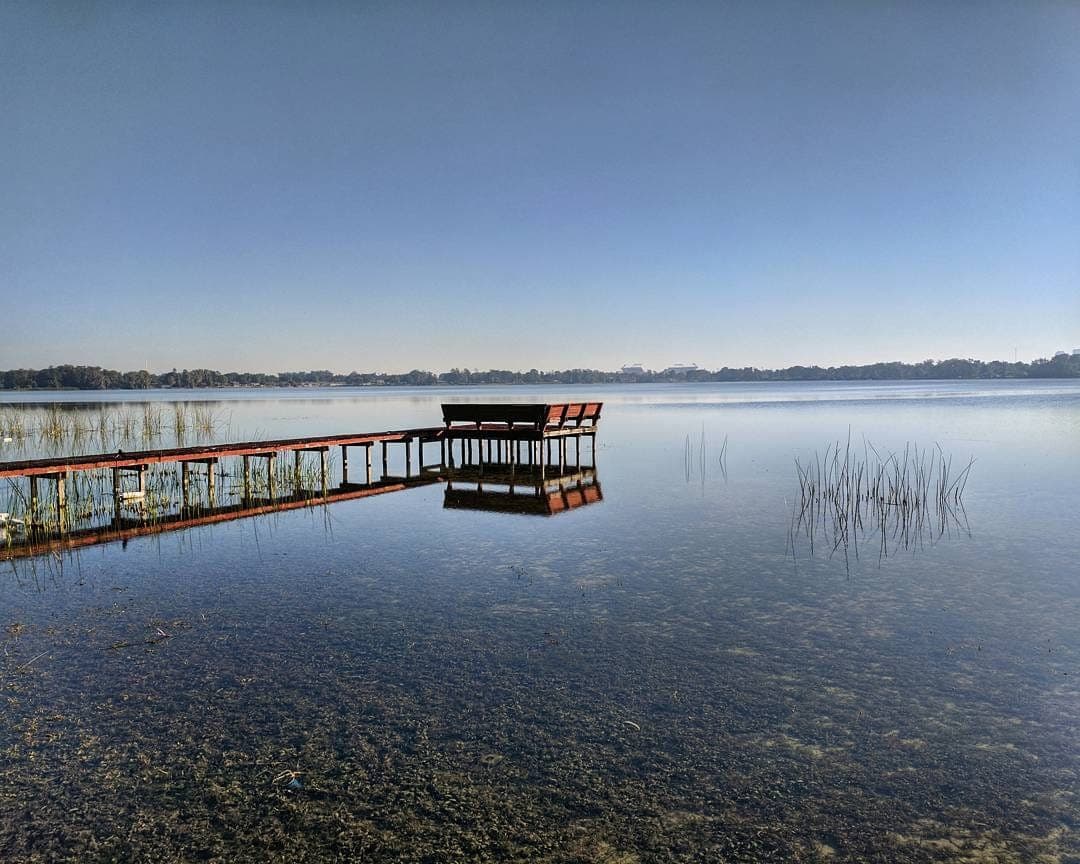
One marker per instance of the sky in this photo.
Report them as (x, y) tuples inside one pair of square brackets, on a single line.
[(387, 186)]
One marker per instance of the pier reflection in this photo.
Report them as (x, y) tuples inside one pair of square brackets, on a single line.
[(533, 492), (20, 542), (493, 487)]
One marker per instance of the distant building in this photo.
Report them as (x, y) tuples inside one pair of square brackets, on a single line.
[(681, 368), (1076, 352), (1060, 354), (633, 369)]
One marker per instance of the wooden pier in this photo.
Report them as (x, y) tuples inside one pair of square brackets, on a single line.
[(515, 434), (497, 436)]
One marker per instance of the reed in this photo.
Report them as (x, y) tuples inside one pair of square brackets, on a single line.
[(905, 498), (180, 422), (59, 430), (152, 422), (204, 420), (56, 425), (696, 458)]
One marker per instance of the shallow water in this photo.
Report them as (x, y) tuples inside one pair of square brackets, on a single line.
[(666, 674)]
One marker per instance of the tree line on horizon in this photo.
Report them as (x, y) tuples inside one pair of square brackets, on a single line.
[(68, 377)]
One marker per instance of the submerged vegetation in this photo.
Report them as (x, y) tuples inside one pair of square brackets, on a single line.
[(901, 499)]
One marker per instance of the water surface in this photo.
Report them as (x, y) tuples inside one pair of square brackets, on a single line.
[(667, 674)]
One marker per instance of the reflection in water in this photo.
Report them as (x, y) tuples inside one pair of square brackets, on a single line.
[(650, 682), (140, 513), (524, 491), (23, 543)]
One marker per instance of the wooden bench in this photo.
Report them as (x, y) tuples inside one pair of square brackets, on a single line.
[(530, 416), (573, 414)]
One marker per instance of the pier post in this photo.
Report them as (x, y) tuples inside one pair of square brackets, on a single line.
[(33, 499), (324, 465), (385, 462), (442, 453), (345, 464), (211, 482), (367, 460), (61, 499), (271, 466), (296, 469), (408, 457), (247, 477), (185, 470), (143, 469), (116, 495)]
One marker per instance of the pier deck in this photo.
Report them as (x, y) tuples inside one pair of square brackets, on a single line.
[(134, 459)]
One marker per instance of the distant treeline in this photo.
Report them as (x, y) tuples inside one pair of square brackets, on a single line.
[(96, 378)]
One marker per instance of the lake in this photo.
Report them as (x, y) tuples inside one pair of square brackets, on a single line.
[(694, 666)]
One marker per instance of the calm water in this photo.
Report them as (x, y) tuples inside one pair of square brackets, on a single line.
[(668, 674)]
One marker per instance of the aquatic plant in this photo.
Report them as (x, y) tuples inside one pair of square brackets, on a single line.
[(152, 422), (204, 421), (60, 430), (696, 459), (905, 498)]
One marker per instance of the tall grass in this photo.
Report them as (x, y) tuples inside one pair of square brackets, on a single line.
[(59, 430)]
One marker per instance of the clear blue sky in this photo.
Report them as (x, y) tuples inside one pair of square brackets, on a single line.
[(270, 186)]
